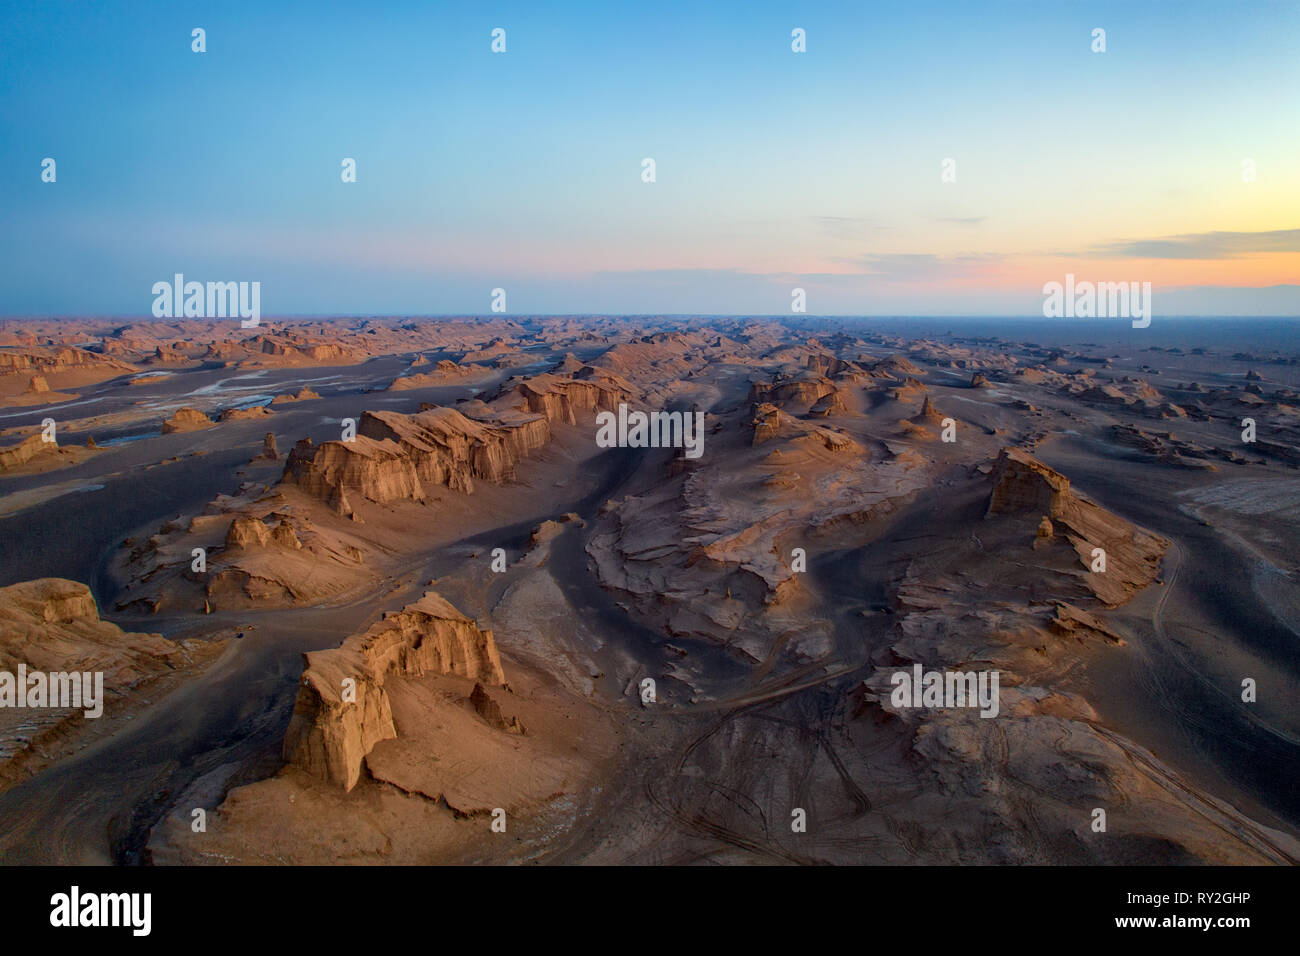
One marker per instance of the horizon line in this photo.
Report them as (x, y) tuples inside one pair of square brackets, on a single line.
[(632, 315)]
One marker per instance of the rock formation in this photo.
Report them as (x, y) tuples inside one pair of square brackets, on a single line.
[(334, 725), (244, 414), (1025, 488), (418, 380), (33, 447), (1022, 484), (832, 403), (186, 420), (490, 711), (168, 354), (52, 625), (928, 413), (304, 394), (394, 455), (247, 532), (258, 556), (53, 361), (807, 390), (445, 371), (565, 400)]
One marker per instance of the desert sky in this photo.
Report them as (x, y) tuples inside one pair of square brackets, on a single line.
[(774, 169)]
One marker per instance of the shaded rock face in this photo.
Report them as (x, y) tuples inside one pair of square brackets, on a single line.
[(896, 366), (549, 530), (1070, 621), (1167, 448), (446, 448), (394, 454), (1025, 488), (165, 354), (490, 711), (335, 725), (766, 423), (376, 470), (1024, 485), (301, 347), (186, 420), (268, 447), (220, 350), (1287, 453), (285, 536), (769, 422), (802, 391), (1104, 395), (829, 365), (830, 404), (569, 400), (53, 625), (909, 391), (929, 413), (247, 532)]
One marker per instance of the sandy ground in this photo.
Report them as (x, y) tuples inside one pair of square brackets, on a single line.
[(740, 736)]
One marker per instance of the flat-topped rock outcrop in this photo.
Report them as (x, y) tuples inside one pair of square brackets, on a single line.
[(335, 724)]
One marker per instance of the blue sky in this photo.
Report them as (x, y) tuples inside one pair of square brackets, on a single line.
[(774, 169)]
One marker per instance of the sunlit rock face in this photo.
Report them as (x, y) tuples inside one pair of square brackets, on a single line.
[(335, 724)]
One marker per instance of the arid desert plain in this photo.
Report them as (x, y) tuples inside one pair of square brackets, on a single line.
[(380, 591)]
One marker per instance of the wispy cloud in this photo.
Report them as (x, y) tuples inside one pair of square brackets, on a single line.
[(962, 220), (1205, 245), (918, 266), (847, 227), (679, 276)]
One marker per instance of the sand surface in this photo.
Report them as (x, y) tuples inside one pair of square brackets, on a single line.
[(627, 565)]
